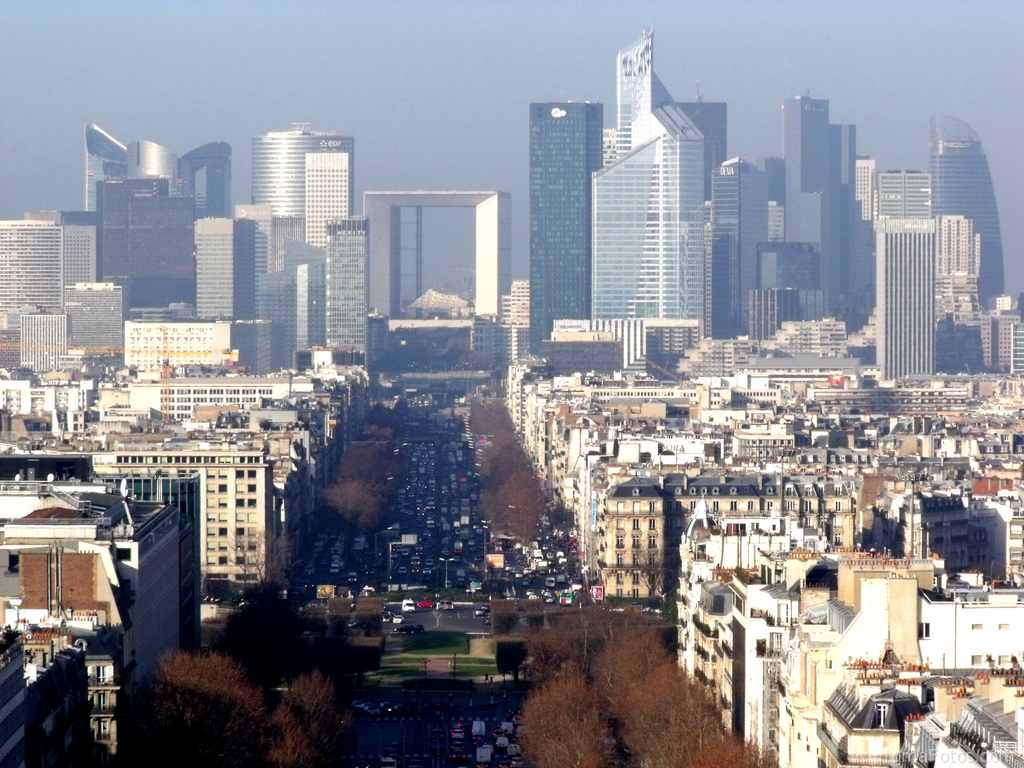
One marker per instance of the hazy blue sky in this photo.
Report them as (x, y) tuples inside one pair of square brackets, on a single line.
[(436, 93)]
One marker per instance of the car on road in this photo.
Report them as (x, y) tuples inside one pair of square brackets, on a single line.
[(409, 629), (425, 605), (484, 610), (408, 606), (447, 605)]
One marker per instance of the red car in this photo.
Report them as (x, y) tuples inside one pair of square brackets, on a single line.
[(425, 605)]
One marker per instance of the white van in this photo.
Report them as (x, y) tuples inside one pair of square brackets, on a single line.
[(408, 606)]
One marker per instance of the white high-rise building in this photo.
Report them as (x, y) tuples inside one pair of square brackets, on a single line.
[(905, 295), (904, 194), (328, 193), (228, 259), (44, 340), (957, 266), (31, 265), (518, 314), (959, 247), (214, 256), (864, 187), (79, 254), (648, 205), (609, 146)]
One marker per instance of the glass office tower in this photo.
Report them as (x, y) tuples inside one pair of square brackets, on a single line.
[(145, 242), (565, 151), (348, 284), (105, 158), (279, 166), (147, 159), (739, 221), (648, 205), (205, 174), (962, 184), (712, 120)]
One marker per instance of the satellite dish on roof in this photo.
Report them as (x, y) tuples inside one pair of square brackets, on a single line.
[(124, 486), (50, 477), (17, 478)]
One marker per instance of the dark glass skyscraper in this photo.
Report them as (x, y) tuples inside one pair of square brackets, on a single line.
[(213, 195), (711, 119), (145, 242), (565, 150), (961, 184), (739, 221), (105, 158), (820, 162)]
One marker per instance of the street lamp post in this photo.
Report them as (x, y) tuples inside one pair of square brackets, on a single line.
[(446, 561)]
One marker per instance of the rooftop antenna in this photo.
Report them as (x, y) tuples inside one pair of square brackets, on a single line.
[(302, 127), (700, 94), (807, 92)]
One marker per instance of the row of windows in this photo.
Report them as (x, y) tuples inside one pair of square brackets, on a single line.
[(224, 560), (223, 488), (240, 517), (652, 542), (197, 459), (223, 531), (924, 629)]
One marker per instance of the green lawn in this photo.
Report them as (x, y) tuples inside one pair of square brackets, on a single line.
[(436, 644)]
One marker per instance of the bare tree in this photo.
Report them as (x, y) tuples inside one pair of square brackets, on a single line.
[(653, 572), (564, 727), (308, 724), (200, 711)]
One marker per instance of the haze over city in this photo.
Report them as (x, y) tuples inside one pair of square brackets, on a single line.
[(436, 93)]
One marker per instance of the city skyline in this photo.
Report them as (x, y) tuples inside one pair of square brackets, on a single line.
[(889, 95)]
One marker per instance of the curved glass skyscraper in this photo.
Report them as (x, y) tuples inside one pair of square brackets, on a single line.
[(648, 205), (961, 184), (105, 158), (213, 198), (279, 166), (147, 159)]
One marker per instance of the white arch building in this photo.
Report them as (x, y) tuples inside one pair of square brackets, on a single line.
[(493, 252)]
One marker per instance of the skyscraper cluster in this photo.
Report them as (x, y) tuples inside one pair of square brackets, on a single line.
[(648, 219), (159, 240), (671, 227)]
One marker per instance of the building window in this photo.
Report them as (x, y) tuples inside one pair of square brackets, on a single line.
[(636, 577), (652, 524), (636, 524), (1004, 626), (975, 661), (636, 542), (652, 542), (222, 531), (976, 626), (620, 542), (881, 714), (924, 630), (618, 578), (618, 558)]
